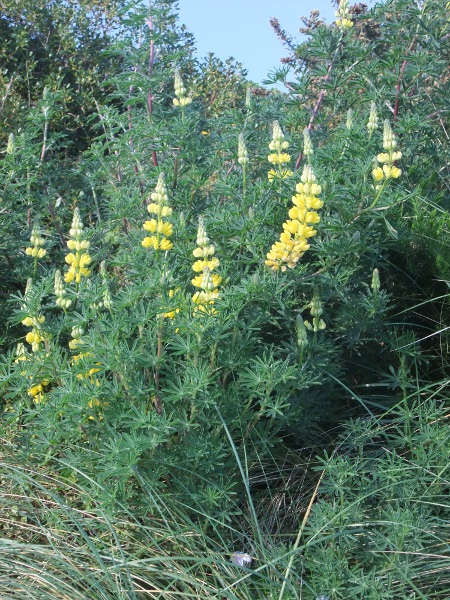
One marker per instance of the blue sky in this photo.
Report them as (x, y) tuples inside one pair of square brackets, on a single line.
[(240, 28)]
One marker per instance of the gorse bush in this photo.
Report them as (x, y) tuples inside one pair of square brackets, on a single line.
[(221, 278)]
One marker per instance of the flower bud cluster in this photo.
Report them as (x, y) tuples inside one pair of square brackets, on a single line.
[(162, 230), (316, 311), (343, 14), (307, 144), (388, 170), (180, 92), (60, 292), (349, 121), (11, 146), (298, 229), (242, 150), (80, 260), (207, 281), (373, 119), (36, 251)]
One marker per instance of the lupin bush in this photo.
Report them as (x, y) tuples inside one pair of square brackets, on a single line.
[(174, 360)]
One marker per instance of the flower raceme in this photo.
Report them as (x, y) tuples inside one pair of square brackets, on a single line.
[(60, 292), (242, 151), (343, 21), (207, 281), (278, 157), (373, 119), (388, 170), (38, 241), (299, 228), (180, 92), (79, 260), (162, 230)]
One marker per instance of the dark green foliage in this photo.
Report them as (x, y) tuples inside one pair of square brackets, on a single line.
[(192, 434)]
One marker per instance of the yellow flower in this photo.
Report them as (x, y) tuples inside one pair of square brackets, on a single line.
[(377, 174), (206, 281), (180, 91), (272, 174), (78, 261), (165, 244), (279, 159), (38, 241), (211, 264), (343, 14), (162, 229), (389, 170), (293, 243)]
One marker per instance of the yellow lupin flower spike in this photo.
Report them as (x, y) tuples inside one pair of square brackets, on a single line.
[(278, 144), (38, 241), (278, 157), (388, 170), (298, 229), (343, 14), (79, 261), (207, 281), (180, 92), (161, 229)]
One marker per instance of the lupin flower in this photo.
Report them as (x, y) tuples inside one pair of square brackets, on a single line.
[(60, 292), (38, 241), (180, 92), (343, 14), (298, 229), (80, 260), (373, 119), (389, 170), (242, 150), (206, 280), (278, 157), (76, 340), (278, 144), (162, 229), (37, 391)]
